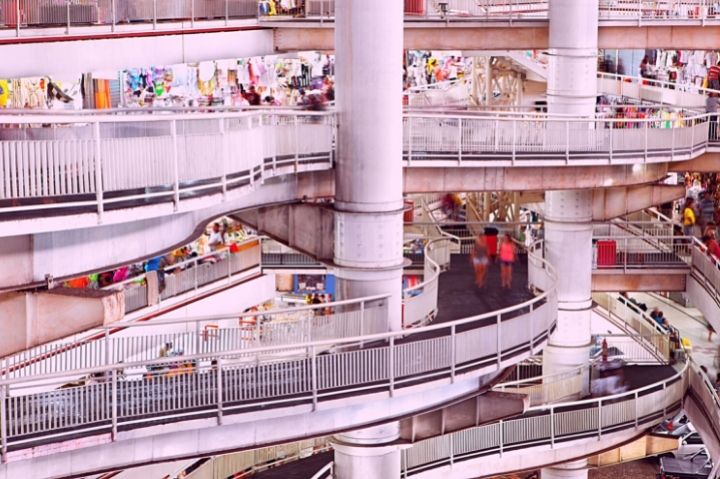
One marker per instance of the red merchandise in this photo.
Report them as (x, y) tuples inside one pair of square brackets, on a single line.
[(415, 7), (607, 253)]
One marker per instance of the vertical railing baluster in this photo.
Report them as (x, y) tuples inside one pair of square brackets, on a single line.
[(114, 404), (453, 347), (67, 16), (297, 143), (154, 14), (313, 377), (17, 18), (219, 378), (4, 398), (176, 166), (499, 340), (98, 173), (113, 14), (391, 365)]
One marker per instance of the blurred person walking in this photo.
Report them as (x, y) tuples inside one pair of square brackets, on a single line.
[(508, 256)]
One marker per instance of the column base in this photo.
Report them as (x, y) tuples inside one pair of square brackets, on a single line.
[(366, 453), (569, 470)]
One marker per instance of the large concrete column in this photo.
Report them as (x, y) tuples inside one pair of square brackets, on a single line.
[(368, 197), (569, 470), (572, 90), (367, 453), (568, 234)]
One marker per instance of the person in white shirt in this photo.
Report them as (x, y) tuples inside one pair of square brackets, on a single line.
[(217, 237)]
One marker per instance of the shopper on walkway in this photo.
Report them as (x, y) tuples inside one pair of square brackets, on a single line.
[(711, 106), (689, 216), (479, 260), (508, 255)]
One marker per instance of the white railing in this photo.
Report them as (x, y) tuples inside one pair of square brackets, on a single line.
[(218, 333), (420, 302), (177, 388), (677, 94), (708, 270), (100, 161), (144, 341), (552, 424), (650, 334), (93, 162), (550, 388), (489, 10), (73, 15), (698, 11), (531, 139), (641, 252), (190, 275), (246, 464)]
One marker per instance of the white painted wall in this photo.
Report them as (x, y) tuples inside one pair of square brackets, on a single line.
[(70, 59)]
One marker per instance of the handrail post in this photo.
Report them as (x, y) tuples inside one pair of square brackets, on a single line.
[(612, 140), (107, 346), (67, 14), (224, 156), (313, 377), (567, 141), (502, 436), (4, 395), (17, 18), (113, 14), (391, 365), (410, 139), (459, 141), (154, 14), (227, 12), (297, 144), (552, 428), (192, 13), (453, 347), (636, 410), (647, 128), (514, 142), (599, 419), (532, 330), (176, 166), (218, 368), (98, 173), (197, 337), (664, 403), (625, 256), (499, 340), (672, 137), (114, 405), (362, 322)]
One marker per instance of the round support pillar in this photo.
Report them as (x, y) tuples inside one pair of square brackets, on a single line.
[(570, 470), (368, 171), (572, 90), (368, 453), (569, 248), (572, 62)]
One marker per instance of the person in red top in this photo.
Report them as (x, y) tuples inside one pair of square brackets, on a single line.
[(508, 254), (712, 246), (714, 77)]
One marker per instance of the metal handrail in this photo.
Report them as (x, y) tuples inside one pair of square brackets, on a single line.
[(595, 404), (259, 351)]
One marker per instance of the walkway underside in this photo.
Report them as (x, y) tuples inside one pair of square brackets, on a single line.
[(469, 37)]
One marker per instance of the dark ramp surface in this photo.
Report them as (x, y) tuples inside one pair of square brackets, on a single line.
[(459, 297), (302, 469)]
